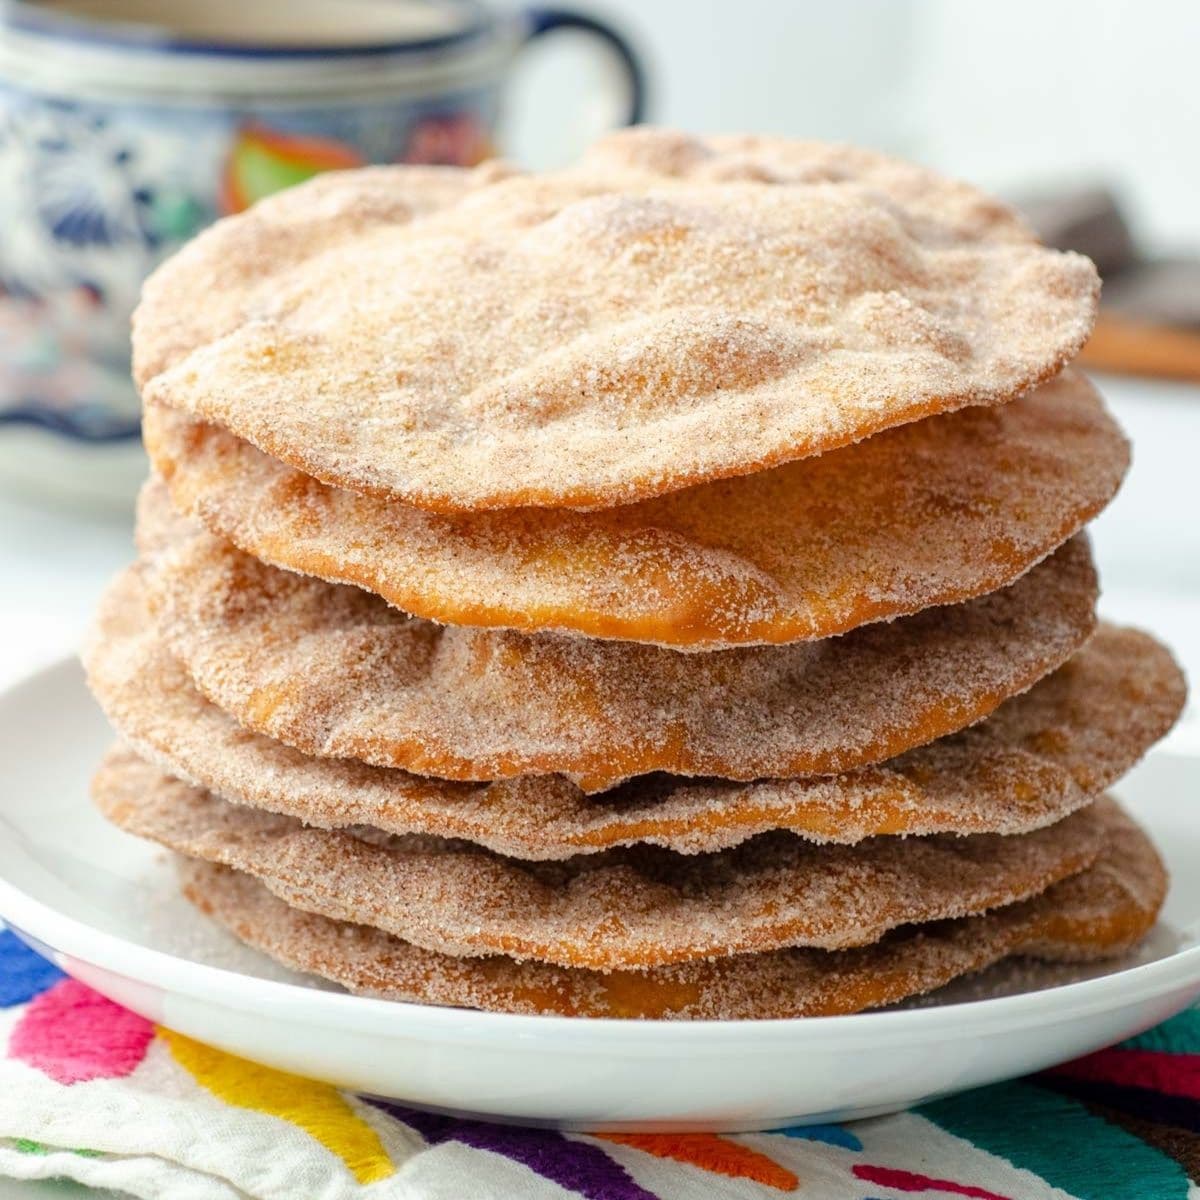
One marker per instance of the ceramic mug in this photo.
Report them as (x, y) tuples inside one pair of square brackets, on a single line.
[(121, 136)]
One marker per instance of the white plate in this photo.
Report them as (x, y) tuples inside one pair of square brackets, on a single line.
[(103, 906)]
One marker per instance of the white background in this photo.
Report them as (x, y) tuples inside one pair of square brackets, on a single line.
[(1004, 93)]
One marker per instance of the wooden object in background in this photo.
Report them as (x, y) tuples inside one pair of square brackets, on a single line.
[(1130, 347)]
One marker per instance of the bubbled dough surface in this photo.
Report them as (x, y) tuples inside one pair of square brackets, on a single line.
[(669, 311), (934, 512), (1098, 913), (631, 907), (1037, 758), (334, 671)]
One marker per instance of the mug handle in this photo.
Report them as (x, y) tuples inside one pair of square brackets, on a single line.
[(542, 21)]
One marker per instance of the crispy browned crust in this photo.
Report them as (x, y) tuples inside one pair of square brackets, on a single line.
[(1039, 757), (671, 311), (1098, 913), (935, 512), (632, 907), (334, 671)]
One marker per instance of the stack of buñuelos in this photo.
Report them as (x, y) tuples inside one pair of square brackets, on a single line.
[(656, 588)]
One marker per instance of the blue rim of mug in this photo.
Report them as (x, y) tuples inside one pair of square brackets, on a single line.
[(94, 426), (25, 16)]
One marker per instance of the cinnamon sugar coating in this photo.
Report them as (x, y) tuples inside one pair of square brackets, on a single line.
[(636, 906), (670, 311), (217, 281), (935, 512), (334, 671), (1034, 760), (1098, 913)]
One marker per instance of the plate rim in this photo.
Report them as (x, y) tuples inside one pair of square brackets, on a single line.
[(73, 938)]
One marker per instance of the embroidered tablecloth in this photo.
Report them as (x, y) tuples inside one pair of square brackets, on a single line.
[(92, 1092)]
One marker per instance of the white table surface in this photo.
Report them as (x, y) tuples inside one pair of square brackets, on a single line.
[(53, 563)]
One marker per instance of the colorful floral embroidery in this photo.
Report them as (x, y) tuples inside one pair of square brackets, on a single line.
[(318, 1109), (578, 1166), (908, 1181), (23, 972), (1029, 1126), (712, 1153), (831, 1135), (1134, 1109), (74, 1034)]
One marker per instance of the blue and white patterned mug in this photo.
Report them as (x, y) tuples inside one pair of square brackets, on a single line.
[(121, 136)]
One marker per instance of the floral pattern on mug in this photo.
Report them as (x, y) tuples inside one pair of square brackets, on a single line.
[(457, 139), (113, 153), (262, 160)]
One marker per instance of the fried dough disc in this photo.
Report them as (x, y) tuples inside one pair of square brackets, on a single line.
[(217, 282), (1034, 760), (1098, 913), (935, 512), (668, 313), (637, 906), (334, 671)]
